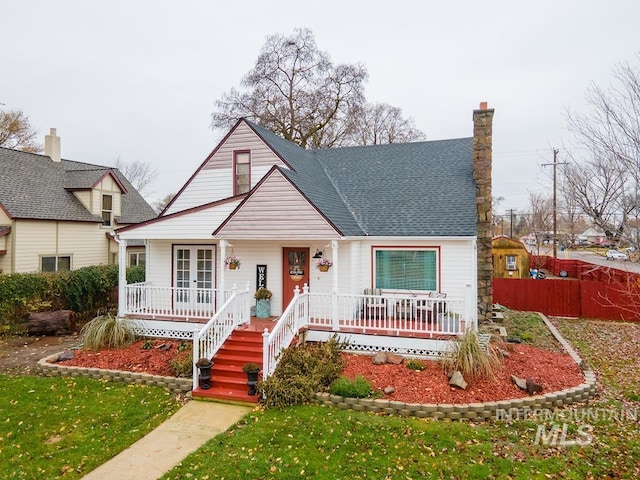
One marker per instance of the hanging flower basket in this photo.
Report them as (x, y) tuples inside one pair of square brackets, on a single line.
[(232, 262), (324, 264)]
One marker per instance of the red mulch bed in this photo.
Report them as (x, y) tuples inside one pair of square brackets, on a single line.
[(133, 358), (554, 371)]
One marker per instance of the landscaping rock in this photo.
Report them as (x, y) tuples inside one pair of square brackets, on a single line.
[(533, 387), (66, 355), (394, 358), (520, 383), (457, 380), (504, 353), (380, 358), (389, 390)]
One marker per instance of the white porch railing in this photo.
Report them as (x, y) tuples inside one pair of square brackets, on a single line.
[(398, 314), (235, 311), (376, 315), (292, 320), (145, 299)]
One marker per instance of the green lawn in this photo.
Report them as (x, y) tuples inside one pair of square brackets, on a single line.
[(53, 427), (324, 443)]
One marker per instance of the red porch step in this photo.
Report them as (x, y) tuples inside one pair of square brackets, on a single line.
[(228, 381)]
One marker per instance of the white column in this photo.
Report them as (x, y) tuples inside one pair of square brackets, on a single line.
[(122, 276), (356, 268), (334, 291), (223, 254)]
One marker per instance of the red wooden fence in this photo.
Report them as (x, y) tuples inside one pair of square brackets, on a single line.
[(587, 291)]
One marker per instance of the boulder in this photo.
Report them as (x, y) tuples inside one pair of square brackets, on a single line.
[(520, 383), (533, 387), (389, 390), (380, 358), (394, 358), (457, 380)]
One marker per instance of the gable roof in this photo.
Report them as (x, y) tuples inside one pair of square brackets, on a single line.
[(33, 186), (400, 189)]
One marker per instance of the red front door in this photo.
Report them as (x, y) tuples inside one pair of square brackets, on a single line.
[(295, 271)]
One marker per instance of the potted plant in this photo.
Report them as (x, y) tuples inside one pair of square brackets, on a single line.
[(324, 264), (252, 370), (232, 262), (204, 378), (263, 302)]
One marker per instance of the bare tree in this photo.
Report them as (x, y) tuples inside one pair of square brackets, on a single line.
[(296, 91), (380, 123), (610, 133), (16, 132), (540, 216), (140, 174), (597, 186), (161, 204)]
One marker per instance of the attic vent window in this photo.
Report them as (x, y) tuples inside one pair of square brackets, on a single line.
[(242, 172), (107, 210)]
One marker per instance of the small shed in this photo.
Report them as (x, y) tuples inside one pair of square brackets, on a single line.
[(510, 258)]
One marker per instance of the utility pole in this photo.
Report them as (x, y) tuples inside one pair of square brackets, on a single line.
[(511, 211), (555, 201)]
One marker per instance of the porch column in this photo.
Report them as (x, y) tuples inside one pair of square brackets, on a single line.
[(335, 326), (122, 276), (355, 271), (223, 253)]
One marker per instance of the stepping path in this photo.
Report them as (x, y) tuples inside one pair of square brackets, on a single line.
[(166, 446)]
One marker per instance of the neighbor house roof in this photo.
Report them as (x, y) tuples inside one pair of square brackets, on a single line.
[(33, 186), (400, 189)]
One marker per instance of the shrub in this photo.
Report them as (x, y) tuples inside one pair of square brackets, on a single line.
[(107, 331), (250, 367), (136, 274), (414, 364), (302, 371), (182, 364), (359, 387), (470, 358)]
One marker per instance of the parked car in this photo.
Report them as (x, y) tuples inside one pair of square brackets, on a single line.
[(616, 255)]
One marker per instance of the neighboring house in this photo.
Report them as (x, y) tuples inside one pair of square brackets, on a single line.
[(58, 214), (592, 236), (408, 223), (510, 258)]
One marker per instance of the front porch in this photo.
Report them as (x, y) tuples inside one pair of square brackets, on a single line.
[(418, 325)]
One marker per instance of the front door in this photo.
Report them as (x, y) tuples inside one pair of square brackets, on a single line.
[(193, 279), (295, 272)]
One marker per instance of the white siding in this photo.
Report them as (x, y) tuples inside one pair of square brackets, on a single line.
[(277, 210), (198, 225), (215, 180), (353, 263)]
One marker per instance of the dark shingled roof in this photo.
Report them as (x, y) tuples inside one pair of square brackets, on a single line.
[(401, 189), (33, 186)]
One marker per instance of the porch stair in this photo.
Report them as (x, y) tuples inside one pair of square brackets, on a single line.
[(228, 381)]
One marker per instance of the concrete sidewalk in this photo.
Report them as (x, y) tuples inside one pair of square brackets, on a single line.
[(166, 446)]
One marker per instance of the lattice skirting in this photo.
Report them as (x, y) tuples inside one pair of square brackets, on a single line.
[(165, 329), (414, 347)]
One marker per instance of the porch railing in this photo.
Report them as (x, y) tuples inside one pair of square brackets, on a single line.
[(235, 311), (390, 313), (145, 299), (292, 320)]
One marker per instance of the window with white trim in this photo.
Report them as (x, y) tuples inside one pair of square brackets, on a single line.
[(55, 263), (406, 269), (136, 258), (241, 172), (512, 262), (107, 210)]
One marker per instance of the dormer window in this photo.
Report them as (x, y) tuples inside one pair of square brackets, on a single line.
[(107, 210), (241, 172)]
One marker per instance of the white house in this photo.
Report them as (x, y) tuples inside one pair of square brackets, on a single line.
[(399, 222)]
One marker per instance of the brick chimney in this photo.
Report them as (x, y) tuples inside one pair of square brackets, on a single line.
[(52, 145), (482, 147)]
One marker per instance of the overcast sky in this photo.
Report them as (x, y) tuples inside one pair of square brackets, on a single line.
[(138, 79)]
